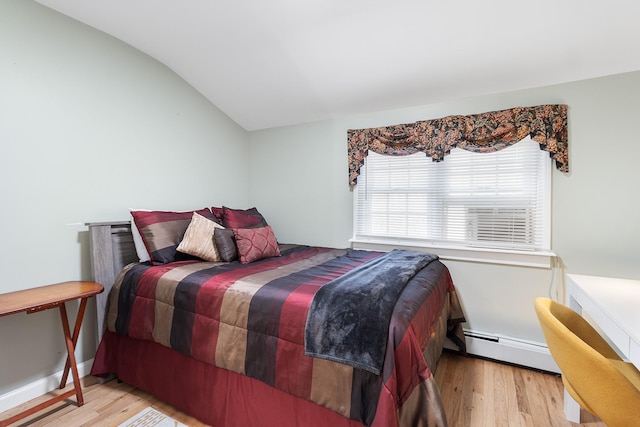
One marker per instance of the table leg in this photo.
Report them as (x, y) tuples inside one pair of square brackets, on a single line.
[(74, 339), (71, 353)]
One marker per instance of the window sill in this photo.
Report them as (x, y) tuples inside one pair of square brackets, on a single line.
[(536, 259)]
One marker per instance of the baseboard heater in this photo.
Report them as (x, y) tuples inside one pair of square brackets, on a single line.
[(526, 353)]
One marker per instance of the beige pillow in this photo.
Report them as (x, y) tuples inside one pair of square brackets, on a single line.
[(198, 239)]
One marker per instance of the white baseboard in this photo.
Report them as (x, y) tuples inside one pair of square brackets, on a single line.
[(39, 387), (511, 350)]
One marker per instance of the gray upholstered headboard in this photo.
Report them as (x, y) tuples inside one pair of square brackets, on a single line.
[(112, 248)]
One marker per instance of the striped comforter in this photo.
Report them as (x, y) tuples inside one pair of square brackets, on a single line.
[(250, 319)]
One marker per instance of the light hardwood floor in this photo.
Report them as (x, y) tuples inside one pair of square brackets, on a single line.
[(475, 392), (483, 393)]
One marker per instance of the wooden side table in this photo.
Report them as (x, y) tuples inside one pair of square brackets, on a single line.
[(44, 298)]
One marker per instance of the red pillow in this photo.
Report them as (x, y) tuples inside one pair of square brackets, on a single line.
[(242, 218), (256, 243), (217, 212)]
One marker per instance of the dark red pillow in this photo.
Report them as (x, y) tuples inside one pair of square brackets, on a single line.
[(255, 244), (242, 218), (217, 212)]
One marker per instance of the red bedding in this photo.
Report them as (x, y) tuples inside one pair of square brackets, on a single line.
[(249, 321)]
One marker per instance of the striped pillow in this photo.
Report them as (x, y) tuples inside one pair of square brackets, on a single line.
[(162, 232)]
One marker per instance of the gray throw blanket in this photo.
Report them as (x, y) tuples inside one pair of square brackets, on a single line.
[(348, 321)]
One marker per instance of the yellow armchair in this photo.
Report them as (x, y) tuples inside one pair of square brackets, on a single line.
[(592, 372)]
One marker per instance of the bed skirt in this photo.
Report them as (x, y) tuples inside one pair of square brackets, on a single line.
[(228, 399), (224, 398)]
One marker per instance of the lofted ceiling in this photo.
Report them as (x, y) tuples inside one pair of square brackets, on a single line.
[(269, 63)]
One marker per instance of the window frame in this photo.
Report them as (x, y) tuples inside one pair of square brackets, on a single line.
[(542, 257)]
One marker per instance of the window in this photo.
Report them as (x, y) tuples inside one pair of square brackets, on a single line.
[(498, 201)]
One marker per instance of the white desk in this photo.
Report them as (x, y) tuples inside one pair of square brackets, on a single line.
[(614, 306)]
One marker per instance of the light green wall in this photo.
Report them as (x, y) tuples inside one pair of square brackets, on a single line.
[(90, 127), (299, 179)]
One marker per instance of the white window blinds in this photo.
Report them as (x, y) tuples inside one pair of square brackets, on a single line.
[(495, 200)]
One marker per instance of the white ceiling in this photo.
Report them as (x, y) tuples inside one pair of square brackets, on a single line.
[(269, 63)]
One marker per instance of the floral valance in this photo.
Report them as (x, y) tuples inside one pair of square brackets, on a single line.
[(481, 133)]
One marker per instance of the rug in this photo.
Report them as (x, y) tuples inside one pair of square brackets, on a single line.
[(150, 417)]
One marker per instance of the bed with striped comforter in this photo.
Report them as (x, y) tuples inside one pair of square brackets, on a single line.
[(250, 320)]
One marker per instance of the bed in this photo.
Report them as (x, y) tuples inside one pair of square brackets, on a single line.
[(305, 336)]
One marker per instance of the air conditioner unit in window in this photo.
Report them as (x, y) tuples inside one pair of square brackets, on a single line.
[(500, 224)]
